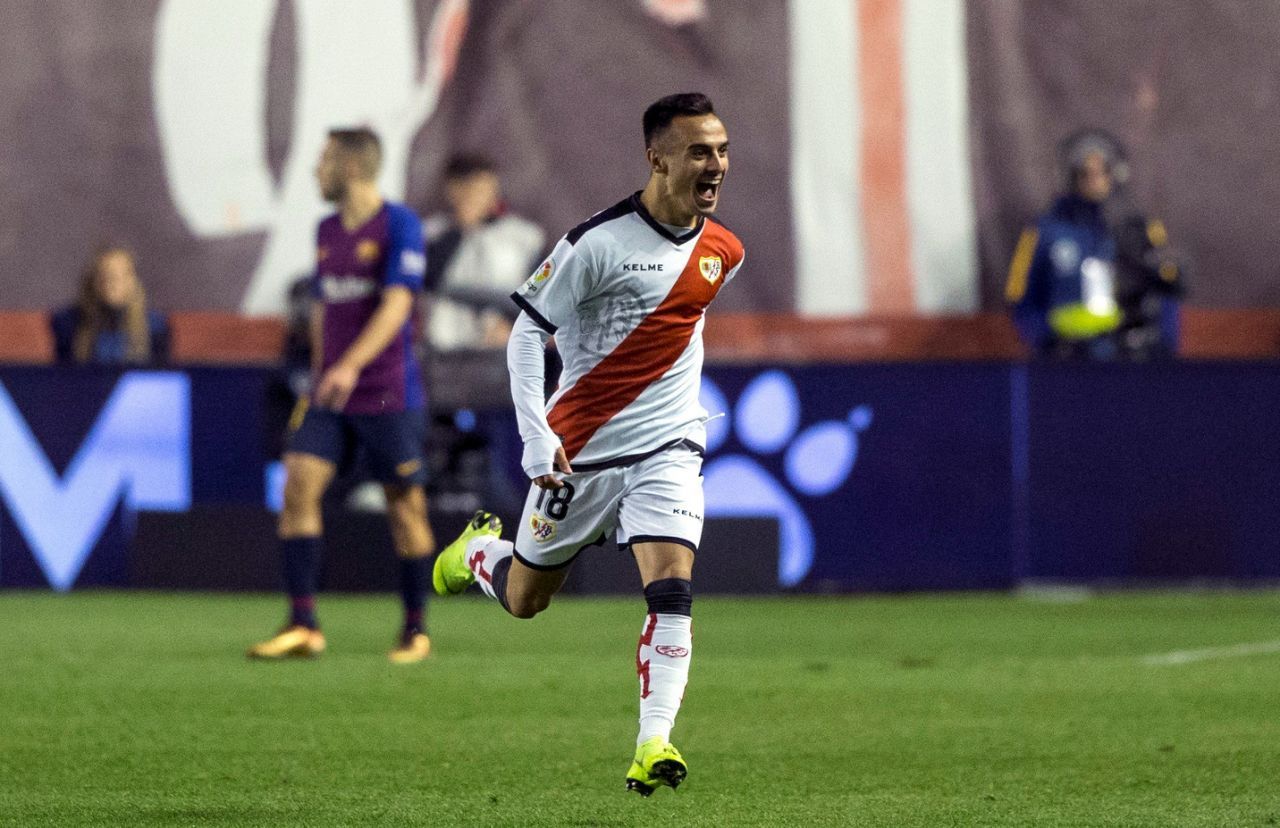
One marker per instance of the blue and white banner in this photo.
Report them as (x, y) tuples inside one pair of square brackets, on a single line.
[(879, 477)]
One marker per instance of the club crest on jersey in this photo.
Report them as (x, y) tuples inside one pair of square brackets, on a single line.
[(367, 250), (543, 529), (543, 274), (710, 266)]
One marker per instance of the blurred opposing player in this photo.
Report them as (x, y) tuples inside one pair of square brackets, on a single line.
[(624, 294), (367, 391)]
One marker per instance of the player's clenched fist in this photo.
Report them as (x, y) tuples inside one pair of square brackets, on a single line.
[(550, 481)]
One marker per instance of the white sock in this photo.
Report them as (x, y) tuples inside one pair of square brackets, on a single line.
[(483, 555), (662, 663)]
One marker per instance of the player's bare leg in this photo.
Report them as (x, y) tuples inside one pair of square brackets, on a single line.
[(300, 527), (662, 662), (529, 591), (307, 477), (414, 544), (480, 556)]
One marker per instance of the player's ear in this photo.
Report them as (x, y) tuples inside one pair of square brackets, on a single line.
[(656, 162)]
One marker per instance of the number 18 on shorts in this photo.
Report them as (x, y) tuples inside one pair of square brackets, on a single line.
[(656, 499)]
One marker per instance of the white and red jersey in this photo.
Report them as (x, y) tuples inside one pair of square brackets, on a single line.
[(625, 297)]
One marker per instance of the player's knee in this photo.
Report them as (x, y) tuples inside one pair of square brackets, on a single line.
[(672, 596), (527, 606), (404, 517), (303, 486), (412, 535), (300, 498)]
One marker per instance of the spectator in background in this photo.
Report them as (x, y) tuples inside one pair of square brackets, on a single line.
[(110, 324), (1095, 278), (477, 255)]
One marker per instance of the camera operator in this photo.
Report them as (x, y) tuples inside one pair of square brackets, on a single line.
[(1095, 278)]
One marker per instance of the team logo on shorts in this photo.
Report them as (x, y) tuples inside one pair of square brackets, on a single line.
[(543, 274), (367, 250), (671, 650), (710, 267), (543, 529)]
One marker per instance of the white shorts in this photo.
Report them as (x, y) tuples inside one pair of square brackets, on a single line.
[(656, 499)]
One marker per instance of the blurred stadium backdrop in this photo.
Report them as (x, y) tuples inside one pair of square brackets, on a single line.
[(885, 151), (883, 429)]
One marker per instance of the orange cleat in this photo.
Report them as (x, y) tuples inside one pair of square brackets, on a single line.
[(291, 642), (414, 646)]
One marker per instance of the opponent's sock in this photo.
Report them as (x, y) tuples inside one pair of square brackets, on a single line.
[(415, 574), (300, 556), (489, 559), (302, 612), (663, 654)]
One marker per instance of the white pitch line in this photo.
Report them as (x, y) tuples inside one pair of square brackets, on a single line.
[(1211, 653)]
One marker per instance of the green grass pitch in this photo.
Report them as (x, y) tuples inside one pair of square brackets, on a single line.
[(953, 710)]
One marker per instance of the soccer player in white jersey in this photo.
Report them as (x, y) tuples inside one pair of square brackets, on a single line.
[(618, 447)]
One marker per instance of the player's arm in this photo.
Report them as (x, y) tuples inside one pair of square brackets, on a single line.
[(543, 454), (406, 262), (340, 380), (550, 298), (316, 329)]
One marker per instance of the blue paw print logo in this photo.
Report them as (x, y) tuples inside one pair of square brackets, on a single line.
[(816, 461)]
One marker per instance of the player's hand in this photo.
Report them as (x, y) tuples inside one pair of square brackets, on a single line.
[(336, 386), (550, 481)]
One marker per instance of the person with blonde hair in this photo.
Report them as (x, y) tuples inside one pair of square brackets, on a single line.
[(110, 324)]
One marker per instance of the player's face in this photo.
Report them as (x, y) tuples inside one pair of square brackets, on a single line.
[(694, 152), (115, 279), (1094, 179), (330, 173)]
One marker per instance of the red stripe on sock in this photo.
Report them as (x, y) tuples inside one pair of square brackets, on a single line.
[(642, 667), (476, 564)]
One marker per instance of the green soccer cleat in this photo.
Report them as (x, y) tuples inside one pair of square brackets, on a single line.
[(450, 574), (657, 763)]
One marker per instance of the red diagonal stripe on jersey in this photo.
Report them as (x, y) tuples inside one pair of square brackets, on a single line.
[(648, 351)]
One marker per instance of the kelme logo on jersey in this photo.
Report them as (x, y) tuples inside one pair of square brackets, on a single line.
[(543, 274), (710, 266), (671, 650), (543, 529)]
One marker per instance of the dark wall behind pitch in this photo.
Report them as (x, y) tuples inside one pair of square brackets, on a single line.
[(877, 477)]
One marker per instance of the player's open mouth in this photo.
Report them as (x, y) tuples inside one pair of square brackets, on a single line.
[(707, 190)]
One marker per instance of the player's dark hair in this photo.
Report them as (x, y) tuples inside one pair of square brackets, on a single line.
[(361, 143), (465, 165), (663, 111)]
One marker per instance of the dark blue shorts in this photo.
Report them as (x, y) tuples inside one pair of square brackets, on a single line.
[(389, 445)]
